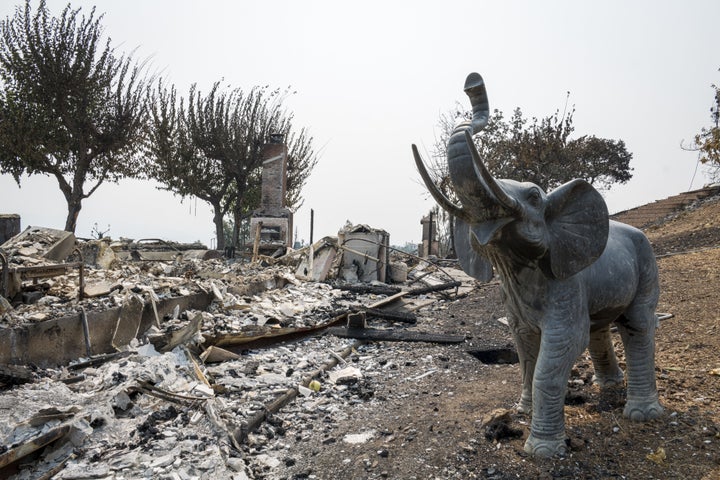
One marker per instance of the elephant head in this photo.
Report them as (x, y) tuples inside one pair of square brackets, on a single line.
[(497, 221)]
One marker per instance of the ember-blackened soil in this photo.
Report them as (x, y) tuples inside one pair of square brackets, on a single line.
[(418, 409)]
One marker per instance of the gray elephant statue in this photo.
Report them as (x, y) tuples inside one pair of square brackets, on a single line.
[(567, 272)]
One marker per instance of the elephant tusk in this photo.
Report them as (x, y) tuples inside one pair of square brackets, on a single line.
[(439, 197), (502, 197)]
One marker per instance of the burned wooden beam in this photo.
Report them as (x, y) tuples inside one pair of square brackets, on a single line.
[(357, 320), (24, 449), (100, 359), (434, 288), (373, 334), (371, 289), (392, 315)]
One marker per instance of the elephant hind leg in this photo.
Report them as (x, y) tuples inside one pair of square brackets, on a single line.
[(607, 371), (638, 335)]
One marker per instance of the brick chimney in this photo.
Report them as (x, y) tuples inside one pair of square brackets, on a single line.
[(273, 218), (274, 175)]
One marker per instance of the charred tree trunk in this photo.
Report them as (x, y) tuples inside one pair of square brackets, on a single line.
[(73, 196), (219, 227), (237, 220), (74, 207)]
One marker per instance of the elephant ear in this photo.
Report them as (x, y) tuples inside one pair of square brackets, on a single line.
[(472, 261), (578, 226)]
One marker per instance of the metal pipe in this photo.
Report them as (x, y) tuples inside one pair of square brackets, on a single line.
[(312, 224), (81, 267)]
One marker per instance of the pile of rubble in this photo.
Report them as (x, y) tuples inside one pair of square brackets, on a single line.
[(122, 359)]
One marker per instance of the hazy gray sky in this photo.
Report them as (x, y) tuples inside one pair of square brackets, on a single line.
[(373, 77)]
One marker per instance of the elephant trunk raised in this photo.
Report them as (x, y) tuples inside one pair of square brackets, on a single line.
[(481, 196)]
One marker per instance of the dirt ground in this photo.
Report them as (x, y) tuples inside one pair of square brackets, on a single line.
[(417, 412)]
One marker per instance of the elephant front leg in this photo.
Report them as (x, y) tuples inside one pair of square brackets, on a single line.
[(607, 371), (558, 350), (527, 342)]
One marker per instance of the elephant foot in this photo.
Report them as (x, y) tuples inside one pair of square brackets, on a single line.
[(525, 405), (642, 411), (545, 448), (609, 380)]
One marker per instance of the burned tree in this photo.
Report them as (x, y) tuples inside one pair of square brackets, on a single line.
[(541, 150), (532, 150), (210, 146), (70, 107), (183, 163)]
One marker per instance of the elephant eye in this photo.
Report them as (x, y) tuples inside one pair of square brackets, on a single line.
[(534, 198)]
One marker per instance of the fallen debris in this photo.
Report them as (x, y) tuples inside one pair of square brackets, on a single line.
[(165, 354), (497, 425), (15, 375)]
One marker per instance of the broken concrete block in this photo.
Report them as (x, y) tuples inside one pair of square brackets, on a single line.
[(98, 289), (128, 323), (55, 245), (167, 341), (347, 375), (398, 272), (98, 253), (202, 254), (324, 261), (217, 355)]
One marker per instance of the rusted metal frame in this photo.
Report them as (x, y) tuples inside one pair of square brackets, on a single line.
[(361, 254), (160, 240), (134, 249)]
